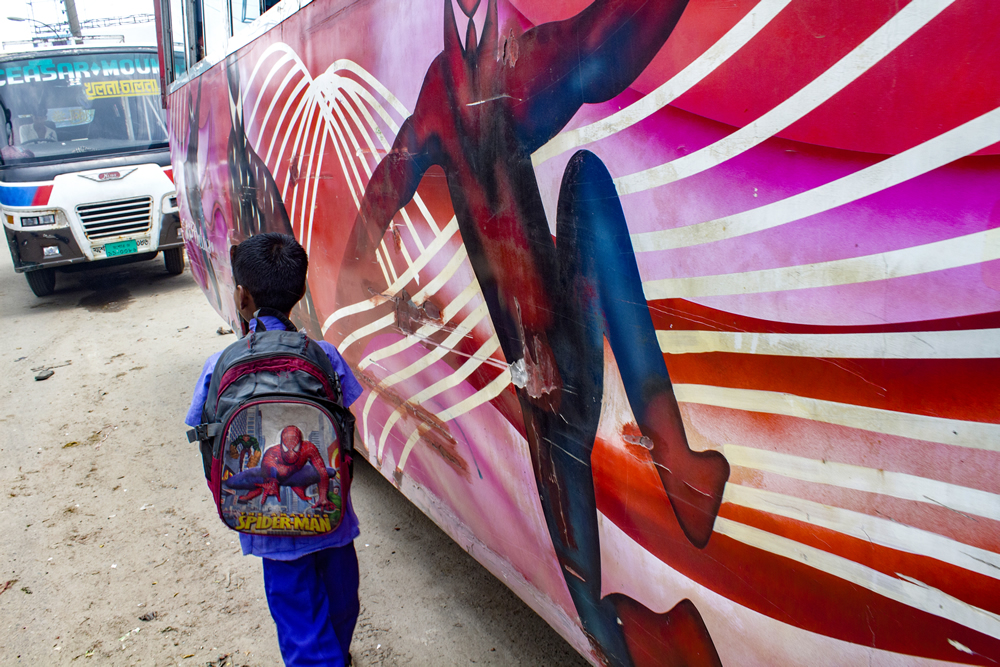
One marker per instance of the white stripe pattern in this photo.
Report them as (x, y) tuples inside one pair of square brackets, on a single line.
[(964, 140), (883, 532), (481, 397), (961, 499), (436, 354), (917, 260), (890, 35), (472, 364), (974, 435), (395, 286), (902, 589), (347, 112), (735, 39), (966, 344)]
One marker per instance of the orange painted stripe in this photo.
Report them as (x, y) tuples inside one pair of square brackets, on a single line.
[(964, 389)]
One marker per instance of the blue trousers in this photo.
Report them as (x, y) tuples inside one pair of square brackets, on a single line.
[(314, 603)]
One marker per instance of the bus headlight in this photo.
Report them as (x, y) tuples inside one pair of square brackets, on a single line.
[(38, 220)]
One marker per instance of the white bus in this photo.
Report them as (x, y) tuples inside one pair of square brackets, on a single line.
[(85, 175)]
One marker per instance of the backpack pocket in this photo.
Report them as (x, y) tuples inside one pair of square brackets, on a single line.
[(280, 467)]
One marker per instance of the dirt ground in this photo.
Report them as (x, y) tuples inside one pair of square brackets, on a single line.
[(112, 551)]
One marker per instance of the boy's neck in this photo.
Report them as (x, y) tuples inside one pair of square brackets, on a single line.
[(272, 311), (249, 318)]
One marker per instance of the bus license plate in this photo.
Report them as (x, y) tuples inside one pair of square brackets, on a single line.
[(121, 248)]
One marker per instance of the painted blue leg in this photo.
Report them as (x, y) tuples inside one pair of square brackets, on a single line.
[(596, 234)]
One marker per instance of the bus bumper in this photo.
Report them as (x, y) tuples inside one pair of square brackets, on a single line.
[(43, 249), (57, 247)]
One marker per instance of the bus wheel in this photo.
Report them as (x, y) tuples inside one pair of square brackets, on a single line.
[(41, 281), (173, 259)]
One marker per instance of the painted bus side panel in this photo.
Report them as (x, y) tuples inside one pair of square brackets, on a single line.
[(682, 317)]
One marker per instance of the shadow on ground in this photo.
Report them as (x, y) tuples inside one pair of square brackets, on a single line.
[(448, 588), (104, 290)]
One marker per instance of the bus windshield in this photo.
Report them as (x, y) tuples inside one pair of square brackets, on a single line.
[(80, 106)]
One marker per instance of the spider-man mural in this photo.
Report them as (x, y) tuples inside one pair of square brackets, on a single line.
[(811, 262), (480, 115)]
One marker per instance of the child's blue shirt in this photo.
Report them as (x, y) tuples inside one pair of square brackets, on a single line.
[(288, 548)]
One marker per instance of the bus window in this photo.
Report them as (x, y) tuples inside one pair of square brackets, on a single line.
[(217, 24), (198, 28), (249, 12), (178, 53), (6, 129), (179, 40), (90, 104)]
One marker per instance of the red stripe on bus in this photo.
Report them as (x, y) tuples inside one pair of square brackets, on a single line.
[(964, 389), (969, 587), (709, 427), (930, 516), (683, 315), (42, 194), (787, 590)]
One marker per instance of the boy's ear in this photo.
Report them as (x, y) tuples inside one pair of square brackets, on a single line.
[(243, 299)]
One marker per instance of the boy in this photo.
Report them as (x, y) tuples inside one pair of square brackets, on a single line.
[(311, 582)]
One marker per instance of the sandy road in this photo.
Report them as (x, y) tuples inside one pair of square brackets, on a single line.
[(105, 519)]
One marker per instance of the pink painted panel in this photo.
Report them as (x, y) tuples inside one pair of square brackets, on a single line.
[(682, 317)]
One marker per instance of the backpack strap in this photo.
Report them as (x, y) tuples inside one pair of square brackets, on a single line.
[(287, 323)]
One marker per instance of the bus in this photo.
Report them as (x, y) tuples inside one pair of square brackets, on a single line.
[(682, 317), (85, 175)]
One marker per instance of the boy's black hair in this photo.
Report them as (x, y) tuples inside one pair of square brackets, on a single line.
[(272, 268)]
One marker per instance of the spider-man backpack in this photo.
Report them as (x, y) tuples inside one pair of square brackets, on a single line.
[(276, 440)]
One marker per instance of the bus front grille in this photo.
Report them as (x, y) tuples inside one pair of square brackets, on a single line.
[(114, 218)]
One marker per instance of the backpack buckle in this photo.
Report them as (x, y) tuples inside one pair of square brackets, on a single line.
[(203, 432)]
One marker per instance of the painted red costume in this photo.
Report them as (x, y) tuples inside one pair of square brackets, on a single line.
[(281, 462)]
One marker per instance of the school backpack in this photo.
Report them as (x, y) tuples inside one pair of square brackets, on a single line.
[(276, 441)]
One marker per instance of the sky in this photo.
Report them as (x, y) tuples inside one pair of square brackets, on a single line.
[(53, 13)]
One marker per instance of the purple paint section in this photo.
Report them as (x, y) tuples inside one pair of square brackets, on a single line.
[(777, 169), (929, 296), (949, 202), (808, 439), (953, 201)]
